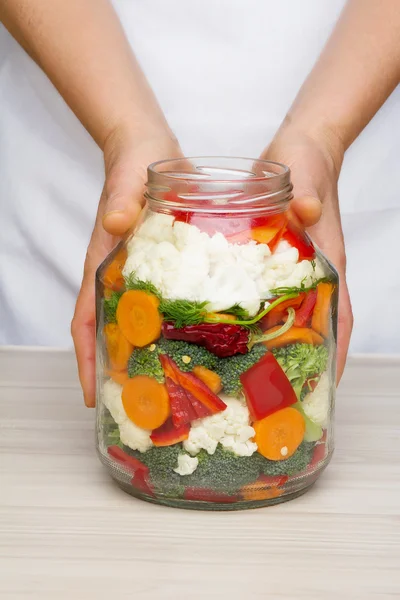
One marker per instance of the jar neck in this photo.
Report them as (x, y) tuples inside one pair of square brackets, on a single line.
[(219, 186)]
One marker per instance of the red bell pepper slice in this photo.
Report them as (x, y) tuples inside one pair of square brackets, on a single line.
[(266, 388), (168, 434), (206, 495), (140, 471), (192, 385), (181, 408), (199, 408), (303, 315), (300, 240), (273, 480)]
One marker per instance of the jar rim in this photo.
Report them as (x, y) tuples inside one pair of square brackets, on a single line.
[(217, 183)]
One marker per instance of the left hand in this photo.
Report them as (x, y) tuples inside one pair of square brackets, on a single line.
[(315, 163)]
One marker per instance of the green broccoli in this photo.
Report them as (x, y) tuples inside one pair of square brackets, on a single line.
[(109, 429), (230, 369), (145, 361), (296, 463), (222, 471), (300, 362), (187, 355), (110, 307), (161, 461)]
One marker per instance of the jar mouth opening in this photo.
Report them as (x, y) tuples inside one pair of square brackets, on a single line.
[(205, 168), (213, 183)]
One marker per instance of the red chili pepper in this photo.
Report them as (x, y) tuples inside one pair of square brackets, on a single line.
[(266, 388), (222, 339), (304, 313), (301, 241)]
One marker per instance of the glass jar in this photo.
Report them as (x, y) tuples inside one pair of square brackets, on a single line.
[(216, 342)]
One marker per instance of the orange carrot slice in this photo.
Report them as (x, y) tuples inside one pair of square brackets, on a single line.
[(279, 435), (119, 377), (145, 402), (138, 317), (248, 492), (320, 318), (112, 277), (118, 347), (302, 335), (264, 235), (210, 378)]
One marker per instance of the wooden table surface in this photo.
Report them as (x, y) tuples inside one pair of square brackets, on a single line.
[(67, 532)]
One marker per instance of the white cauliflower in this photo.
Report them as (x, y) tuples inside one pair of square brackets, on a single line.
[(231, 428), (186, 263), (186, 464), (316, 405), (131, 435)]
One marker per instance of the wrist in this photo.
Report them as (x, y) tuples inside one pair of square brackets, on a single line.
[(320, 132)]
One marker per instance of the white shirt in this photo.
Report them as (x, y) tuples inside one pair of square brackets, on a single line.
[(225, 74)]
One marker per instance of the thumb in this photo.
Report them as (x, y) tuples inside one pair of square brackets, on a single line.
[(124, 198), (305, 209)]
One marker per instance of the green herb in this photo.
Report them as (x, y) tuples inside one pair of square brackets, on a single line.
[(110, 307), (133, 283), (298, 290), (313, 264), (183, 312), (239, 312)]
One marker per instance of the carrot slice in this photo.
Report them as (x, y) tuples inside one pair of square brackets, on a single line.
[(145, 402), (279, 435), (302, 335), (138, 317), (248, 492), (279, 313), (118, 347), (264, 235), (112, 276), (119, 377), (320, 318), (210, 378)]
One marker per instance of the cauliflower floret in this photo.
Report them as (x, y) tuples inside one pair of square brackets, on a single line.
[(133, 436), (289, 256), (316, 405), (139, 251), (282, 247), (188, 235), (186, 464), (230, 428), (157, 227), (113, 401), (302, 273), (130, 435)]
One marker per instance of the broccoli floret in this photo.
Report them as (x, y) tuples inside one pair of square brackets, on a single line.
[(145, 361), (230, 369), (296, 463), (109, 429), (161, 461), (301, 361), (186, 355), (222, 471), (110, 307)]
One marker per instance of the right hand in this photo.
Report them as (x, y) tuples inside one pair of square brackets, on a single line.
[(127, 155)]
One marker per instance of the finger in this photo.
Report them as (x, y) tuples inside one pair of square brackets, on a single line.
[(307, 209), (124, 199), (83, 329), (345, 327)]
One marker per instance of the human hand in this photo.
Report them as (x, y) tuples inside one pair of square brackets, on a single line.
[(315, 163), (126, 155)]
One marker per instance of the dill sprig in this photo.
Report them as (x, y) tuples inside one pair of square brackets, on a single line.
[(183, 312), (280, 291), (110, 307), (133, 283), (238, 311)]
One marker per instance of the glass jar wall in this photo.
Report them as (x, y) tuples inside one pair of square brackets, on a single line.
[(216, 342)]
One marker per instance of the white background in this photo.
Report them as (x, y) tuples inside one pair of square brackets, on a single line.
[(225, 73)]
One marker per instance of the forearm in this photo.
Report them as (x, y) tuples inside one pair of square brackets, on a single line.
[(355, 74), (81, 46)]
